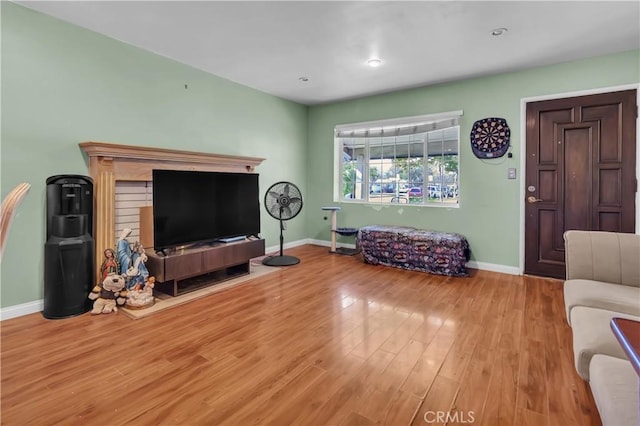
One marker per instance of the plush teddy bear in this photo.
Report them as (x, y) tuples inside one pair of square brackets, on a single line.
[(108, 295)]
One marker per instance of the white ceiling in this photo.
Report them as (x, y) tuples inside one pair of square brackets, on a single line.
[(269, 45)]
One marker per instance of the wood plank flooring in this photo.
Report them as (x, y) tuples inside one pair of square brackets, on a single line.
[(330, 341)]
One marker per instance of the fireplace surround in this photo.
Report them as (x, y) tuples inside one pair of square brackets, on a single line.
[(110, 162)]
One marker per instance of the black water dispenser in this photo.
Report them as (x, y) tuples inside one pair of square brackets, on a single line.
[(69, 261)]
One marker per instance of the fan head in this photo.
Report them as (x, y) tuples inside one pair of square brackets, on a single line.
[(283, 200)]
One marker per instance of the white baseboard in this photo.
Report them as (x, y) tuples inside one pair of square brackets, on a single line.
[(504, 269), (38, 305), (328, 244), (493, 267), (22, 309), (276, 249)]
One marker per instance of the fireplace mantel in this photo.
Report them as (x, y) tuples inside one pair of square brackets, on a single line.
[(110, 162)]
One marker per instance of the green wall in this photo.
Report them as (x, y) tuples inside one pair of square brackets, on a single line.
[(62, 85), (489, 212)]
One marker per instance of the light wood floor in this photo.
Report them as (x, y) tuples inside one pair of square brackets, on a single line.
[(329, 341)]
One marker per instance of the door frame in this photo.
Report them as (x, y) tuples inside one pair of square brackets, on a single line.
[(523, 149)]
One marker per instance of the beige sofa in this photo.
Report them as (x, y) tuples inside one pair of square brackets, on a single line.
[(603, 282)]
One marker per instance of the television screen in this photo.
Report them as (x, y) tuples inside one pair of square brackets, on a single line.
[(191, 207)]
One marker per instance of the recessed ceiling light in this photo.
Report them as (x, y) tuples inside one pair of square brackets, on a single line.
[(498, 32), (303, 79), (374, 62)]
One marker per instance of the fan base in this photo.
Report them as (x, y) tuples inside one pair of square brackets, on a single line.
[(280, 261)]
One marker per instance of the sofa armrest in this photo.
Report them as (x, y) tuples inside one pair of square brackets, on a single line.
[(603, 256)]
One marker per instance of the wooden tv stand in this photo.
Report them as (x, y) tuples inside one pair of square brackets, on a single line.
[(185, 270)]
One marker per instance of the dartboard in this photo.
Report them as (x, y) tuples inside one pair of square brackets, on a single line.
[(490, 137)]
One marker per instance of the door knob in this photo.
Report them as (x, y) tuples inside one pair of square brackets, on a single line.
[(531, 199)]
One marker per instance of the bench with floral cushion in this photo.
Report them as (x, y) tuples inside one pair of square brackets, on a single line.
[(414, 249)]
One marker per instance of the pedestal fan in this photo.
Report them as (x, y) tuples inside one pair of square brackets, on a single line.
[(283, 201)]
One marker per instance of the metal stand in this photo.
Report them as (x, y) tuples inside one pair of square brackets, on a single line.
[(281, 260)]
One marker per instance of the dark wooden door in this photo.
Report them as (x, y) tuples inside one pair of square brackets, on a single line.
[(580, 173)]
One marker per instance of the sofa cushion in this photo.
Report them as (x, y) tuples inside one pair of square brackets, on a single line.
[(603, 256), (597, 294), (614, 385), (592, 335)]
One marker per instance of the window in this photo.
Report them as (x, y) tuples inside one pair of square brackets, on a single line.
[(412, 160)]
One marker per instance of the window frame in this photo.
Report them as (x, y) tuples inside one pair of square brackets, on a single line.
[(378, 126)]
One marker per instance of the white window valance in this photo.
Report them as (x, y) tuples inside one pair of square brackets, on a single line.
[(399, 126)]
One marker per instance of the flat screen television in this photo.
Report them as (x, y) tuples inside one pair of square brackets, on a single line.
[(195, 207)]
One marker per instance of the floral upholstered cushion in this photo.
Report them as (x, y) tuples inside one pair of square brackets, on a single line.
[(415, 249)]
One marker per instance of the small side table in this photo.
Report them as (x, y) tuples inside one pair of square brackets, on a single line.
[(628, 334)]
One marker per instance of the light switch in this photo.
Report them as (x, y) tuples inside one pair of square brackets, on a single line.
[(512, 173)]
